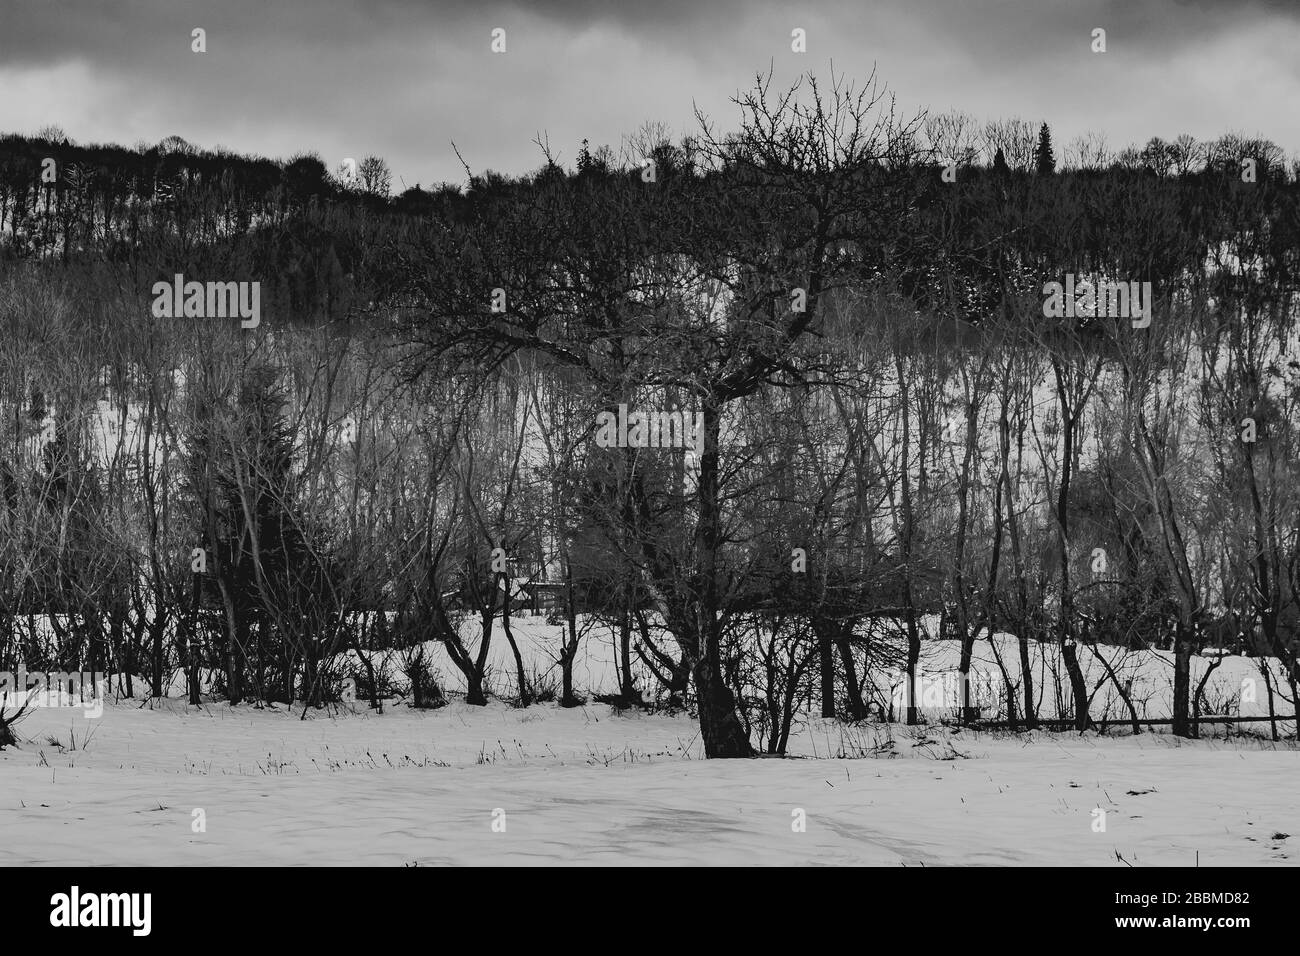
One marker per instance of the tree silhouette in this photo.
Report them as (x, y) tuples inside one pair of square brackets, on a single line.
[(1000, 162), (1044, 158)]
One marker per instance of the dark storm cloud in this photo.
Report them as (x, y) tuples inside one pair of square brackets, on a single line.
[(105, 31), (404, 78), (125, 33), (38, 31)]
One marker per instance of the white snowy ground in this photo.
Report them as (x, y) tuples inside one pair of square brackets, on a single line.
[(590, 786)]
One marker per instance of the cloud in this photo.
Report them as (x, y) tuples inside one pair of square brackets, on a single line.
[(404, 78)]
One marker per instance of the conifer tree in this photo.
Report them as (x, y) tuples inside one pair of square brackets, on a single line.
[(1000, 162), (1044, 158)]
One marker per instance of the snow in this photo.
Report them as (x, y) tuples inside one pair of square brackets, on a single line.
[(589, 786), (1235, 687)]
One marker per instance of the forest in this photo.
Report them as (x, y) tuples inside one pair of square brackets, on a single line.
[(847, 310)]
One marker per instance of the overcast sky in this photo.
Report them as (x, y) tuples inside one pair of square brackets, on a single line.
[(404, 78)]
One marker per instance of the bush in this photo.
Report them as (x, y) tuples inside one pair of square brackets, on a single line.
[(426, 690), (377, 688), (543, 686)]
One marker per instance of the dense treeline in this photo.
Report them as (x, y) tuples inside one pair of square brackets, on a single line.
[(852, 303)]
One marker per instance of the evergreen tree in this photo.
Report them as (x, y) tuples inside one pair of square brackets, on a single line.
[(1044, 158), (1000, 162), (259, 540)]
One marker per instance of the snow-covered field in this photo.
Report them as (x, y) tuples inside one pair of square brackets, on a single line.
[(164, 783), (591, 786)]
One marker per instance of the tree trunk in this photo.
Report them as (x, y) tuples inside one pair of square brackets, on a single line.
[(566, 679), (475, 693), (156, 659), (968, 633), (570, 649), (1078, 687), (719, 726), (852, 689), (627, 691), (913, 659), (1182, 726), (521, 681), (969, 713), (1027, 682), (1065, 623), (826, 659), (913, 634), (1018, 570), (474, 690)]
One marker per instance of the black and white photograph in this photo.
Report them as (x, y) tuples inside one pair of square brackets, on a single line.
[(853, 433)]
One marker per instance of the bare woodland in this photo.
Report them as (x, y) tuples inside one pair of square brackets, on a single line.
[(852, 298)]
